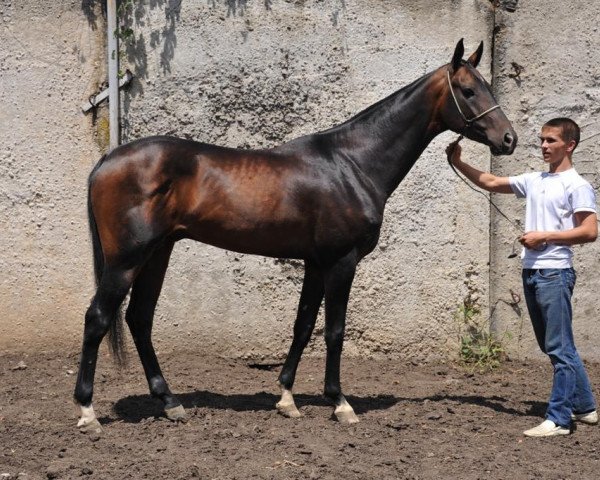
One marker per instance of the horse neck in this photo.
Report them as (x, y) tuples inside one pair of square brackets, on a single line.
[(386, 139)]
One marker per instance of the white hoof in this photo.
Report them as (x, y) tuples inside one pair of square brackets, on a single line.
[(88, 422), (286, 405), (176, 414), (289, 411), (345, 413)]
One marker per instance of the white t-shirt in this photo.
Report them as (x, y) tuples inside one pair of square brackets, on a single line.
[(552, 201)]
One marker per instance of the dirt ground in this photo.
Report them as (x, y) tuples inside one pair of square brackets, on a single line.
[(416, 422)]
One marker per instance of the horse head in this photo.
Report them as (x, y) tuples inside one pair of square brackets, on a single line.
[(468, 106)]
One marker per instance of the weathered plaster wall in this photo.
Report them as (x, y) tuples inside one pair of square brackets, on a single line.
[(51, 59), (557, 50), (254, 76), (251, 74)]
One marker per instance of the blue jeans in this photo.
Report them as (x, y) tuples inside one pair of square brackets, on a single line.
[(548, 295)]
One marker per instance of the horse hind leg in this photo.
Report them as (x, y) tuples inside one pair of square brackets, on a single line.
[(140, 315), (101, 314), (308, 308)]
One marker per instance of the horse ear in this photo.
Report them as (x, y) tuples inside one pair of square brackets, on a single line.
[(476, 56), (458, 54)]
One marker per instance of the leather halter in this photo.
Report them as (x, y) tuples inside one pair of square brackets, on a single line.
[(468, 121)]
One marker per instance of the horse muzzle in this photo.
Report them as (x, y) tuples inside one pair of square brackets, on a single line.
[(506, 146)]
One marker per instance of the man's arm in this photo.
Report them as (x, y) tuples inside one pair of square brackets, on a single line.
[(585, 231), (485, 180)]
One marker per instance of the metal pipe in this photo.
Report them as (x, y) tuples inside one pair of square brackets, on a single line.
[(95, 100), (113, 72)]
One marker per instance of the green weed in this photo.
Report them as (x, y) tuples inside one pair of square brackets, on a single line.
[(478, 348)]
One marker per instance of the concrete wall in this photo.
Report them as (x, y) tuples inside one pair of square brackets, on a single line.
[(255, 74), (557, 51), (51, 60)]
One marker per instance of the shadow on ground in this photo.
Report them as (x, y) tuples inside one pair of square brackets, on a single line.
[(135, 408)]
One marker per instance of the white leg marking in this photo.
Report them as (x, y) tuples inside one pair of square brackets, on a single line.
[(344, 412), (88, 421), (286, 405), (87, 416)]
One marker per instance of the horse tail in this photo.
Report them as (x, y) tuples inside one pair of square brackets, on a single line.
[(96, 245), (115, 332)]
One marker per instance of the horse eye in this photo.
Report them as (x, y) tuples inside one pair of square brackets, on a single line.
[(468, 93)]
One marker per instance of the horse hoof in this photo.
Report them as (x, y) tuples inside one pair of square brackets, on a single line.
[(176, 414), (289, 411), (92, 426), (346, 416)]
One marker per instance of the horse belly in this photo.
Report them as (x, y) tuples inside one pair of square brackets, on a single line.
[(288, 240)]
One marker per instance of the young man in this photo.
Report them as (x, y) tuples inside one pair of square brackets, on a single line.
[(560, 212)]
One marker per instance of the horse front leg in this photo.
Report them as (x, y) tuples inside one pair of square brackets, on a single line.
[(140, 315), (308, 309), (338, 282)]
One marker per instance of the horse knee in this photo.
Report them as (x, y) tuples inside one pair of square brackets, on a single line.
[(304, 332), (333, 336)]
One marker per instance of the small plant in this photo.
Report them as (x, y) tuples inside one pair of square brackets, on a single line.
[(479, 349), (124, 32)]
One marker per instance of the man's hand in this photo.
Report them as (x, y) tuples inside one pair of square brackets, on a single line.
[(453, 151), (533, 240), (484, 180), (586, 230)]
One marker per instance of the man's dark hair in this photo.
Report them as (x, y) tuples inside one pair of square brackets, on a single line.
[(570, 130)]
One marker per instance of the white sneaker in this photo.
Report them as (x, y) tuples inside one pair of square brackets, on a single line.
[(546, 429), (591, 418)]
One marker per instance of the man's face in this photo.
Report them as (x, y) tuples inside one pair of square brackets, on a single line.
[(554, 148)]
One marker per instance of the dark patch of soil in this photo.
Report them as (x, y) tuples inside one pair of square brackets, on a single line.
[(416, 422)]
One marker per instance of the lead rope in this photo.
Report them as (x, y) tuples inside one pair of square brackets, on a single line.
[(487, 197), (515, 224)]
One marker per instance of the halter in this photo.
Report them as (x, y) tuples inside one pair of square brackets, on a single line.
[(468, 121)]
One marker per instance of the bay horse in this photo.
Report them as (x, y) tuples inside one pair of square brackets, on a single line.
[(319, 198)]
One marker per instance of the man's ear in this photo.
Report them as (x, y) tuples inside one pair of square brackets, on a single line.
[(571, 146), (476, 56), (459, 51)]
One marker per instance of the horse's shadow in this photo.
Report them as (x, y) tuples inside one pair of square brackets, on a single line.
[(138, 407), (135, 408)]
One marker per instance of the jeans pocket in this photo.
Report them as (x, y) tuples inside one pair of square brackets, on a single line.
[(571, 277)]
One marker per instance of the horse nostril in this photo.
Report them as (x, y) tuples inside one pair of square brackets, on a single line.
[(508, 139)]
